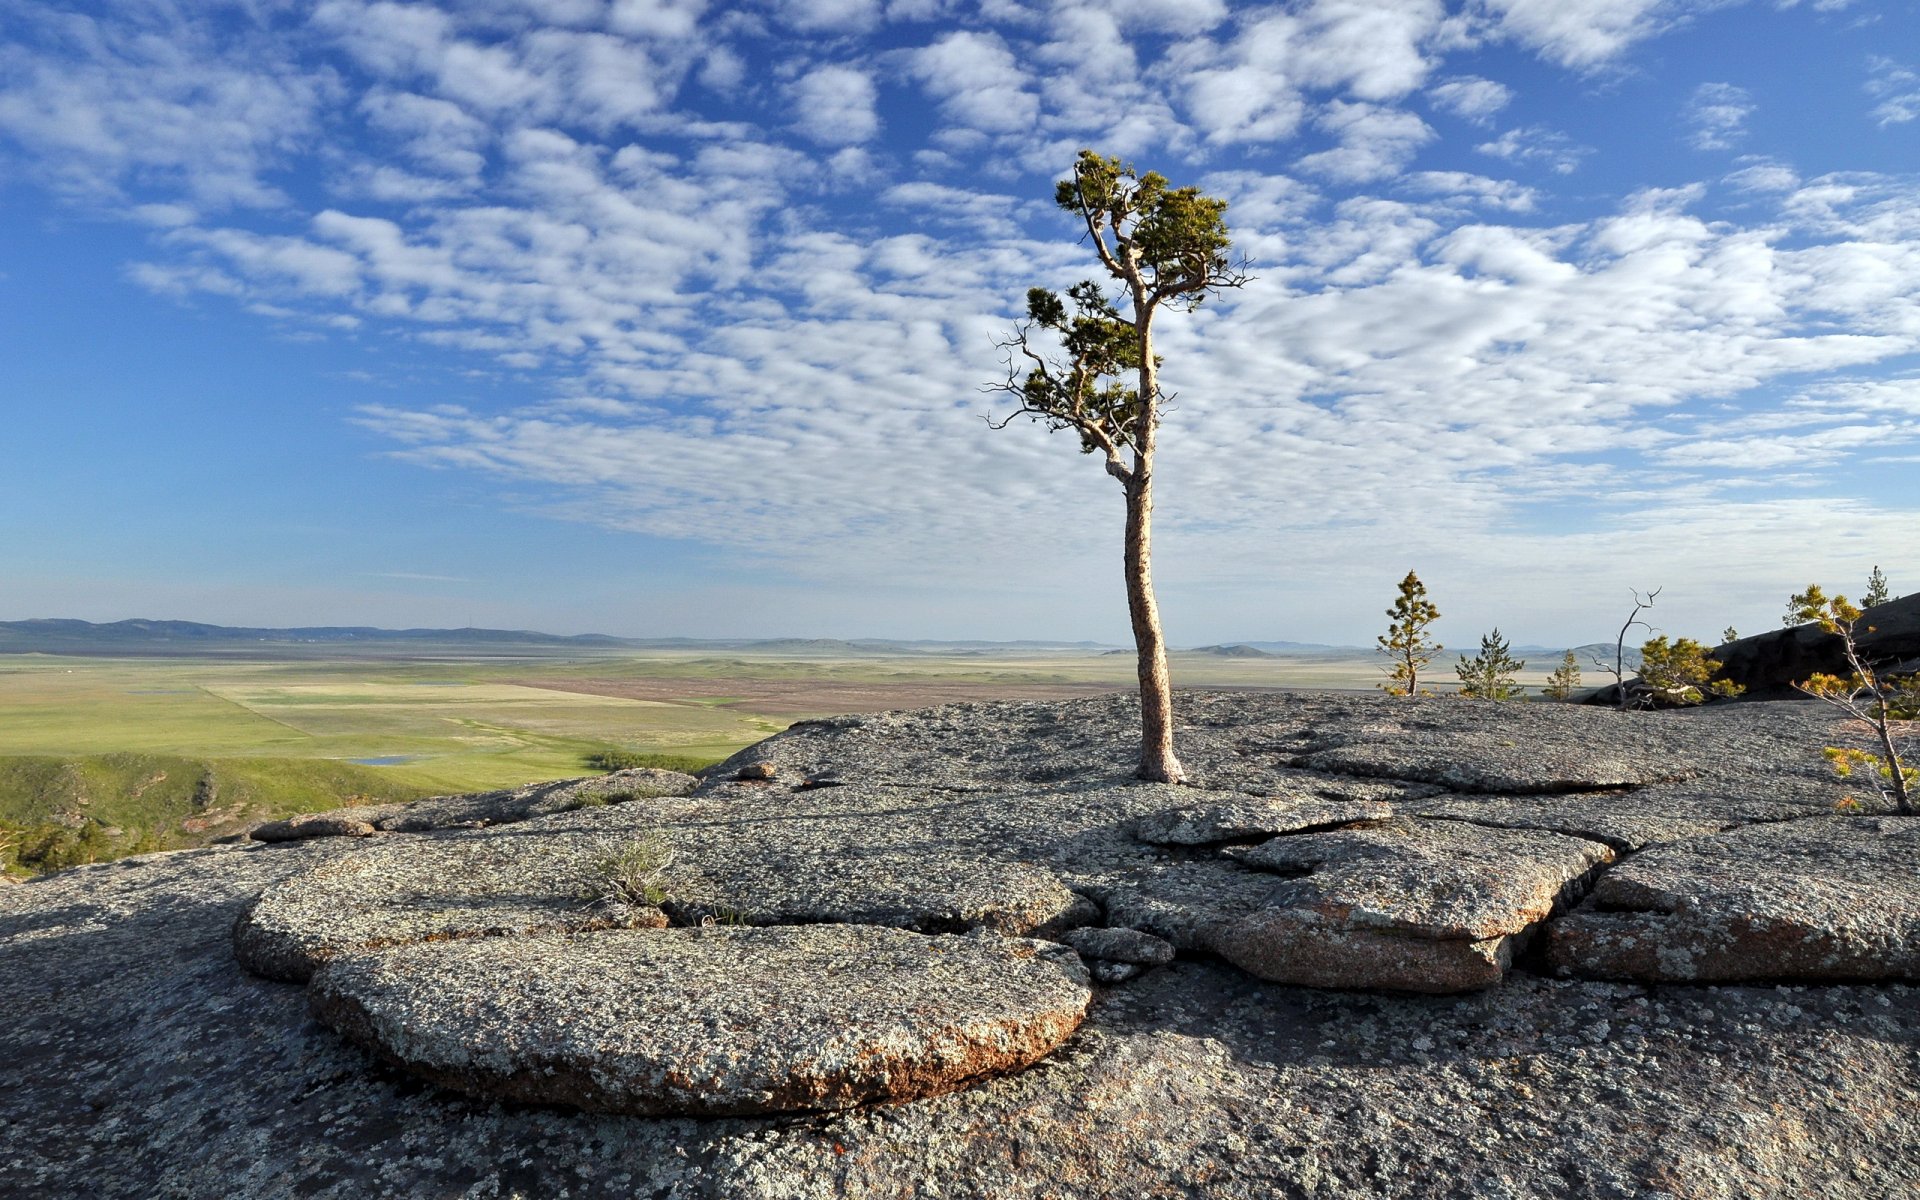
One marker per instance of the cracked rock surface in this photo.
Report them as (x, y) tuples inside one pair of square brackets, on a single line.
[(1837, 898), (1430, 906), (717, 1021), (152, 1063), (478, 809)]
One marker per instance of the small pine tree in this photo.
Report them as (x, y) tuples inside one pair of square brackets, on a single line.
[(1876, 592), (1489, 674), (1797, 605), (1676, 672), (1565, 679), (1729, 634), (1866, 695), (1406, 642)]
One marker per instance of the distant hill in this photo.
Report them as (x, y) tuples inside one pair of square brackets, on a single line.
[(1281, 648), (69, 636), (65, 636), (1238, 650)]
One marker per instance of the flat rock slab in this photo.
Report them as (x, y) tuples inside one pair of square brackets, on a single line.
[(1826, 898), (1642, 817), (1202, 824), (1498, 761), (1427, 906), (709, 1022), (518, 882), (481, 809)]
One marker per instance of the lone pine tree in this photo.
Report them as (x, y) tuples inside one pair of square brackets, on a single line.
[(1097, 374), (1489, 675), (1406, 642)]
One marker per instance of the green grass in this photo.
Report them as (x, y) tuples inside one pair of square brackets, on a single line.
[(122, 755), (59, 811)]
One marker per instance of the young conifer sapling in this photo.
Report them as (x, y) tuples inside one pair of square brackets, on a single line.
[(1866, 695), (1406, 643), (1489, 675)]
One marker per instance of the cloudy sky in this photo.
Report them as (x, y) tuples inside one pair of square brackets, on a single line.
[(666, 317)]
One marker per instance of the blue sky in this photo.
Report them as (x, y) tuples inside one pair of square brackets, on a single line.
[(672, 318)]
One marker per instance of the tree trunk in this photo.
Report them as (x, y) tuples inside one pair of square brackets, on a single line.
[(1157, 759), (1158, 762)]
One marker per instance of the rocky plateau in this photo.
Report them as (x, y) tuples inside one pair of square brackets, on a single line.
[(1381, 948)]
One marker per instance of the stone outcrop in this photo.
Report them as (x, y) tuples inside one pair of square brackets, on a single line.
[(492, 884), (306, 825), (712, 1021), (1771, 663), (1828, 898), (1428, 906), (480, 809), (1509, 850)]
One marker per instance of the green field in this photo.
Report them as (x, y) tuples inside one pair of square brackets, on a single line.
[(106, 756)]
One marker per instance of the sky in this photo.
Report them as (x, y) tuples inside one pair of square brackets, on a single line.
[(676, 318)]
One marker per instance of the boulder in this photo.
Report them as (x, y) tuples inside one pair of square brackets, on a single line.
[(1415, 905), (149, 1063), (308, 825), (709, 1022), (1770, 663), (1119, 946), (1827, 898)]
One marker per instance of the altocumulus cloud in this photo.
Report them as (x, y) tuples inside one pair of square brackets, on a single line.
[(746, 266)]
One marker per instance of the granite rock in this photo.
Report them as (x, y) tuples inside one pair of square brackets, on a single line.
[(709, 1021), (1119, 946), (308, 825), (145, 1061), (1415, 905), (1829, 898), (1237, 820)]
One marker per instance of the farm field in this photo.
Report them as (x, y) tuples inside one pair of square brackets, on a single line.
[(101, 756)]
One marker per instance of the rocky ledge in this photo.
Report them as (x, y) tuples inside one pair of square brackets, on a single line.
[(960, 952)]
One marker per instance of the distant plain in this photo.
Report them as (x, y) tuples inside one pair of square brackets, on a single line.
[(138, 753)]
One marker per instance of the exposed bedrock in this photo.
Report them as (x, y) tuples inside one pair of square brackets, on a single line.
[(709, 1021), (1417, 905), (547, 876), (480, 809), (931, 928), (1828, 898), (1771, 662)]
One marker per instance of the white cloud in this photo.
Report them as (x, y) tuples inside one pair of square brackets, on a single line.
[(1462, 187), (208, 108), (1470, 98), (1375, 142), (829, 16), (1534, 143), (1717, 115), (1375, 49), (834, 106), (1586, 33), (1764, 176), (1897, 87), (978, 83)]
